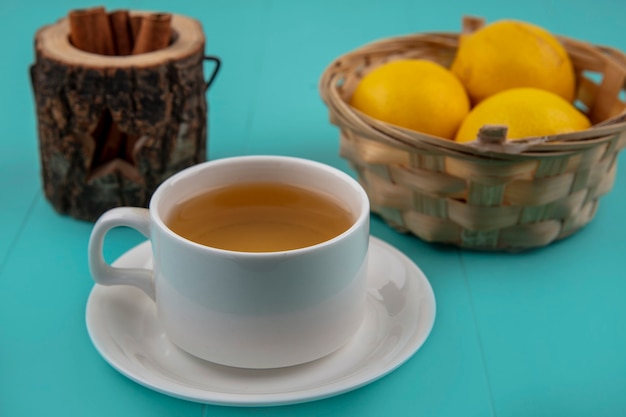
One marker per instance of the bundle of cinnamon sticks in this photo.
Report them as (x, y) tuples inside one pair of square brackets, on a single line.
[(118, 32)]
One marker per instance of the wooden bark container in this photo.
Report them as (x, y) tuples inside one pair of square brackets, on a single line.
[(112, 128)]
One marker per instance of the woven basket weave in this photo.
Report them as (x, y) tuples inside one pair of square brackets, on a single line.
[(489, 194)]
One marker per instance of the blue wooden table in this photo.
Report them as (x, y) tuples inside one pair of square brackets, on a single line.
[(541, 333)]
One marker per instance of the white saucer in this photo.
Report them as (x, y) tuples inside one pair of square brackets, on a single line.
[(122, 324)]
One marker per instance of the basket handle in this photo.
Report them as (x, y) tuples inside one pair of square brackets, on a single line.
[(613, 81), (471, 24)]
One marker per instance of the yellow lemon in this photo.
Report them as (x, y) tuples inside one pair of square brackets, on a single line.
[(528, 112), (508, 54), (415, 94)]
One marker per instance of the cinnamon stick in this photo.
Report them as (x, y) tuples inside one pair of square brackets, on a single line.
[(122, 32), (155, 33), (135, 24), (90, 31)]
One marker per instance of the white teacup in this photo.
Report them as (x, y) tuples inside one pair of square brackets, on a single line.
[(246, 309)]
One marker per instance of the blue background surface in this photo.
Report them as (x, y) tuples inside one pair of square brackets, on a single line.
[(540, 333)]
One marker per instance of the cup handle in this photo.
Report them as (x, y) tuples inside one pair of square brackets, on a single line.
[(105, 274)]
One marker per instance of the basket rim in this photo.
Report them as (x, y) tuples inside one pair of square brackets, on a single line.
[(544, 146)]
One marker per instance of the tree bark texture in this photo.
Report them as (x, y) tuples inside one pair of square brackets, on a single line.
[(112, 129)]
